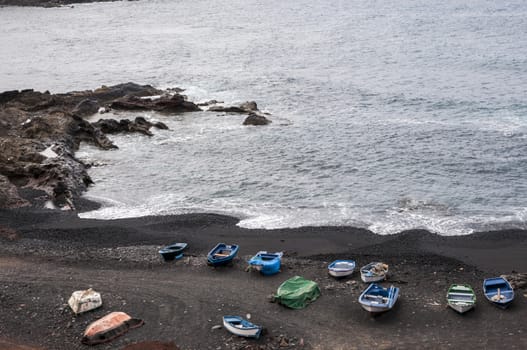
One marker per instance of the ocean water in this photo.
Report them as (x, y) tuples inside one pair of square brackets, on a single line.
[(388, 115)]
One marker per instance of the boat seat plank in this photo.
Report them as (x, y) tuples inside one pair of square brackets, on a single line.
[(221, 255)]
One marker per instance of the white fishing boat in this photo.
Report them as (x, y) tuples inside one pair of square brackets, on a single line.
[(461, 297), (241, 327), (377, 299), (341, 268), (374, 272)]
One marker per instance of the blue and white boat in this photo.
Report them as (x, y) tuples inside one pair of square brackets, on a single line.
[(341, 268), (266, 263), (374, 272), (377, 299), (498, 291), (173, 251), (222, 254), (241, 327)]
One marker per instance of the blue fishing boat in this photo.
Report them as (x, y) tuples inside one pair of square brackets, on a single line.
[(173, 251), (243, 328), (377, 299), (222, 254), (266, 263), (341, 268), (498, 291)]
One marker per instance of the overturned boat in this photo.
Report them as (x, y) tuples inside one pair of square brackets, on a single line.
[(173, 251), (461, 297), (266, 263), (377, 299), (374, 272), (222, 254), (109, 327), (84, 300), (341, 268), (241, 327)]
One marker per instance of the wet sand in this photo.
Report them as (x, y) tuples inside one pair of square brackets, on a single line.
[(45, 256)]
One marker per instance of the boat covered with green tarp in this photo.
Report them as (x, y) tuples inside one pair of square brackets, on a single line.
[(297, 292)]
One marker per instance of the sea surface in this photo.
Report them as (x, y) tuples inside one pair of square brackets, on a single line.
[(388, 115)]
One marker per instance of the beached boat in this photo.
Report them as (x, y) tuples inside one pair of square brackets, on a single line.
[(173, 251), (374, 272), (84, 300), (241, 327), (377, 299), (222, 254), (341, 268), (109, 327), (498, 291), (266, 263), (461, 297)]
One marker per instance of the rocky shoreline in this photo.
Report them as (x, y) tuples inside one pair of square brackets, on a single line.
[(40, 132)]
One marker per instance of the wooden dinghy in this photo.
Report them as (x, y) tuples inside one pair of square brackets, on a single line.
[(498, 291), (374, 272), (341, 268), (461, 297), (266, 263), (222, 254), (241, 327), (173, 251), (109, 327), (377, 299)]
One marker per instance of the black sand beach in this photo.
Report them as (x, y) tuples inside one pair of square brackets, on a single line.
[(46, 255)]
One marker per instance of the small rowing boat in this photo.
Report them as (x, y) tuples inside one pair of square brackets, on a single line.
[(173, 251), (266, 263), (377, 299), (222, 254), (498, 291), (374, 272), (461, 297), (341, 268), (241, 327)]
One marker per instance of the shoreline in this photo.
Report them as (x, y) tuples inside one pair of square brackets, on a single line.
[(50, 254)]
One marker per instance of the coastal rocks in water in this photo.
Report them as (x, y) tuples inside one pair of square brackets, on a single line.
[(140, 125), (164, 104), (246, 107), (256, 119), (86, 108), (40, 132)]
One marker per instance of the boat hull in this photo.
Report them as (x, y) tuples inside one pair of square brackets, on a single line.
[(461, 308), (461, 297), (369, 275), (222, 254), (266, 263), (376, 299), (240, 327), (498, 291), (341, 268), (173, 251)]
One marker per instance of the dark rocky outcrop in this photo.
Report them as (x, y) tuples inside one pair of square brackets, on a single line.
[(40, 132), (256, 119), (164, 104), (246, 107), (140, 125)]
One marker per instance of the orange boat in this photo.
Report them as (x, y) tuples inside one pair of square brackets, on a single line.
[(109, 327)]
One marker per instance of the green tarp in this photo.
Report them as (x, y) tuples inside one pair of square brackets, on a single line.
[(297, 292)]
